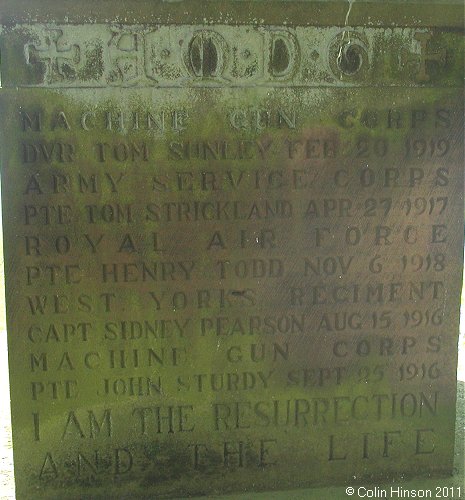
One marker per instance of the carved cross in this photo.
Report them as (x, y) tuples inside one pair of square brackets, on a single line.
[(60, 58)]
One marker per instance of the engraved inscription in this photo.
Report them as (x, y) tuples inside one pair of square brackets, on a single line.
[(425, 56), (224, 55), (233, 262)]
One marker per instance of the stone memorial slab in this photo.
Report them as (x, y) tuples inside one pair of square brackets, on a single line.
[(233, 243)]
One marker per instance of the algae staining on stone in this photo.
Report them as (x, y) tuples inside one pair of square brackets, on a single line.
[(165, 462), (245, 62), (161, 63), (94, 66)]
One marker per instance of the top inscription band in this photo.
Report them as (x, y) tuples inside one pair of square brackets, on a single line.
[(229, 56)]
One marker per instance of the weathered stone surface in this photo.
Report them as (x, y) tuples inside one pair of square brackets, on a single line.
[(233, 252)]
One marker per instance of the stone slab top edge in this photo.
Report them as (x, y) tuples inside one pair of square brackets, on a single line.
[(415, 13)]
